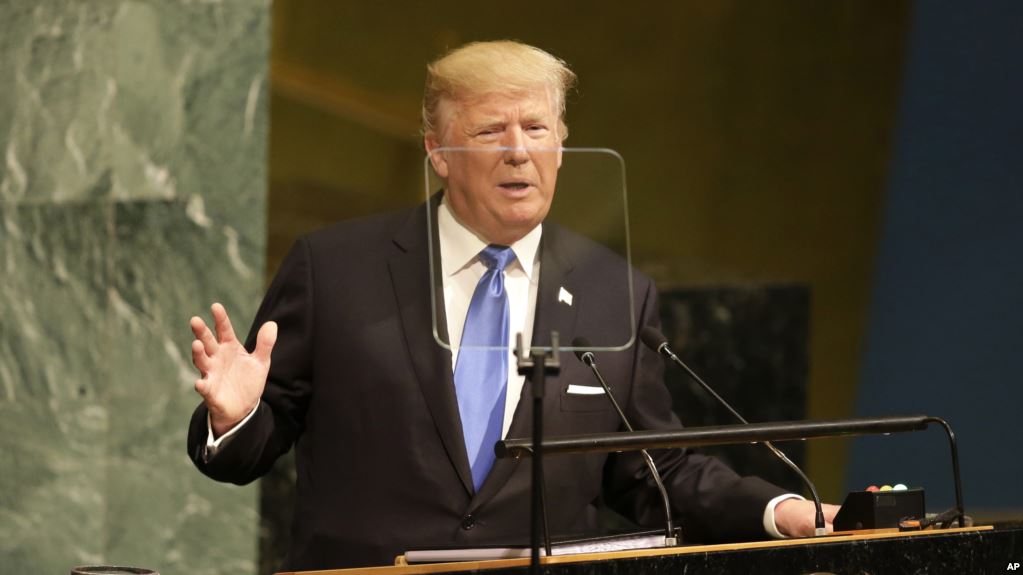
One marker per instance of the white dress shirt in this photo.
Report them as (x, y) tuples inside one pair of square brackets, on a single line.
[(462, 270)]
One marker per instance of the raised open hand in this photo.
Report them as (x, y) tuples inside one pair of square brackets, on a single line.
[(232, 379)]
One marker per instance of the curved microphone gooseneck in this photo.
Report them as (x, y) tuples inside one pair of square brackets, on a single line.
[(656, 341), (587, 357)]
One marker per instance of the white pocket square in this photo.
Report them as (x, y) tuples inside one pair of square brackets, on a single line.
[(564, 296), (585, 390)]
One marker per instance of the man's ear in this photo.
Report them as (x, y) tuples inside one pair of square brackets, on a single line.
[(561, 136), (437, 158)]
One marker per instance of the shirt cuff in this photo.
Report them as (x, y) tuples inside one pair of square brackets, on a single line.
[(213, 444), (769, 524)]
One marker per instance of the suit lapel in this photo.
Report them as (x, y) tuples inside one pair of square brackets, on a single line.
[(551, 315), (555, 275), (410, 274)]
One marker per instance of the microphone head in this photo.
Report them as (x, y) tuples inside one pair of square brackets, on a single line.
[(653, 338), (580, 344)]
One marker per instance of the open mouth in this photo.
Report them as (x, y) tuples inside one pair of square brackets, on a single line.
[(514, 185)]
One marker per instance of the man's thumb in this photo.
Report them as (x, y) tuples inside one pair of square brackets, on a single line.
[(265, 340)]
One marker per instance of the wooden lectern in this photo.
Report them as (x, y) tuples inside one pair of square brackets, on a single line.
[(960, 550)]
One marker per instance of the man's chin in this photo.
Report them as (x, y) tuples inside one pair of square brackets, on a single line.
[(512, 230)]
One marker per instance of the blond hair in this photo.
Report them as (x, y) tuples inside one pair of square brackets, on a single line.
[(501, 66)]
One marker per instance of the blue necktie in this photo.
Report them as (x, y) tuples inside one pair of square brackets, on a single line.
[(481, 372)]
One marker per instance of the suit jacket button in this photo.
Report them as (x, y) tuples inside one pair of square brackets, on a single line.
[(468, 522)]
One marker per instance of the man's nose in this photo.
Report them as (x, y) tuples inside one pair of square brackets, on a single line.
[(515, 147)]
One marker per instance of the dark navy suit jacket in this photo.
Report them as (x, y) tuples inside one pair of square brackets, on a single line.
[(360, 388)]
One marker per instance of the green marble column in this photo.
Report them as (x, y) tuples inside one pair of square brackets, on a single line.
[(132, 195)]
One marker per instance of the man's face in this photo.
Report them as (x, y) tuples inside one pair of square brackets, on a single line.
[(502, 185)]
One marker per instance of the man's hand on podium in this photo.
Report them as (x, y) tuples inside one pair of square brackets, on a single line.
[(231, 379), (795, 517)]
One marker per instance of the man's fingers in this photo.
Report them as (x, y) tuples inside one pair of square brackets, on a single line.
[(202, 386), (265, 340), (203, 334), (225, 332), (200, 360), (197, 325)]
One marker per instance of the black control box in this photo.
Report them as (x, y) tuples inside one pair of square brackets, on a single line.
[(879, 509)]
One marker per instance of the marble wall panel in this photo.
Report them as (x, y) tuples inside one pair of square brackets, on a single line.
[(133, 99), (53, 420), (185, 265), (132, 195), (60, 85)]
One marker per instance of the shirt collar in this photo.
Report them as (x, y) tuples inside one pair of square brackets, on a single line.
[(459, 245)]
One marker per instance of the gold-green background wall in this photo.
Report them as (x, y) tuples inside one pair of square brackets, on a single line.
[(756, 134), (133, 192)]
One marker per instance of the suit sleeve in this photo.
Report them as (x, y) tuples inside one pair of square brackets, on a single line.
[(279, 419), (709, 500)]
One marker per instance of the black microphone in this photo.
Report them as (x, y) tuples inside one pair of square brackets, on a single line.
[(587, 357), (656, 341)]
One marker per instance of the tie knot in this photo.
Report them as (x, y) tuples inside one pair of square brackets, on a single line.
[(497, 257)]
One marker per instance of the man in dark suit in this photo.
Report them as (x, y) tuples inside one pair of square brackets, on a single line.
[(393, 432)]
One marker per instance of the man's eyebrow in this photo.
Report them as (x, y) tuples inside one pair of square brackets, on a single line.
[(538, 114), (489, 122)]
